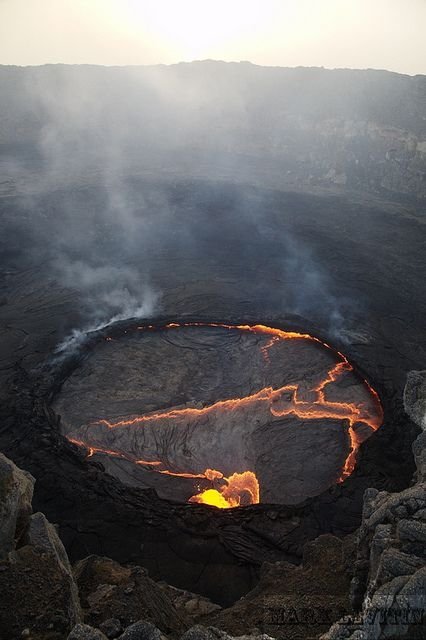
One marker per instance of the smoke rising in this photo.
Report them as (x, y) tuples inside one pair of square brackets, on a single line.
[(110, 294), (135, 167), (312, 286)]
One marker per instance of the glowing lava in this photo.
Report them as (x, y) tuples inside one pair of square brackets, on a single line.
[(240, 489)]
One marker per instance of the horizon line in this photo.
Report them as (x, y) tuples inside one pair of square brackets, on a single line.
[(208, 60)]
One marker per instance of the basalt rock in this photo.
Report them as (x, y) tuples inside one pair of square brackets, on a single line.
[(389, 586), (16, 491), (212, 633), (415, 397), (43, 535), (112, 628), (191, 606), (38, 593), (295, 602), (419, 451), (85, 632), (142, 630), (109, 590)]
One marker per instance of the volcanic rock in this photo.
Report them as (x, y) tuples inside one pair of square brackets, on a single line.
[(142, 630), (412, 529), (394, 563), (111, 628), (43, 535), (37, 593), (85, 632), (415, 397), (419, 451), (389, 585), (190, 606), (294, 602), (109, 590), (212, 633), (16, 491)]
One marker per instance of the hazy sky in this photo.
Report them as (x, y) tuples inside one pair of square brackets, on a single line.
[(383, 34)]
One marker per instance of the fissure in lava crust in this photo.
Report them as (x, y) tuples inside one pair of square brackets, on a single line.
[(242, 486)]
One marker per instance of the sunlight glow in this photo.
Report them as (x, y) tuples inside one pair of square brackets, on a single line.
[(385, 34), (193, 28)]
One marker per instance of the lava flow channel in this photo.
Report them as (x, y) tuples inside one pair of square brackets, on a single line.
[(243, 488)]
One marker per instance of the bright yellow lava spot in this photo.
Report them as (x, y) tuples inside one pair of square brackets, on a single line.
[(213, 498)]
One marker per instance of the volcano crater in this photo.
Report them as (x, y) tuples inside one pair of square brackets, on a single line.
[(226, 415)]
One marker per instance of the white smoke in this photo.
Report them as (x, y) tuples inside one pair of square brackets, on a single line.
[(100, 130), (111, 294)]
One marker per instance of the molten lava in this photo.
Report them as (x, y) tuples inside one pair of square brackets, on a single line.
[(241, 489), (238, 490)]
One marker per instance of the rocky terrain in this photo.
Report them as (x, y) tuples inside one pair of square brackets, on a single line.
[(375, 579), (389, 585), (43, 598)]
